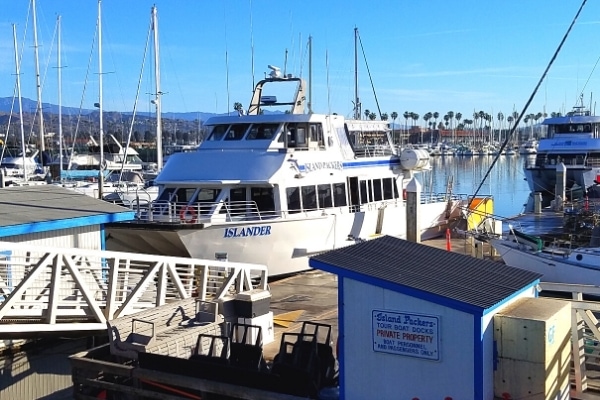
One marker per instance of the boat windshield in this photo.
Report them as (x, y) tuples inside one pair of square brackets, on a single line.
[(262, 132), (572, 128), (228, 132)]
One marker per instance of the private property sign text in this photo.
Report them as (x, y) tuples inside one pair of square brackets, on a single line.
[(406, 334)]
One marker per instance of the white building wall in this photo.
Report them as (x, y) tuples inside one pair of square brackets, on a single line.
[(370, 374), (84, 237)]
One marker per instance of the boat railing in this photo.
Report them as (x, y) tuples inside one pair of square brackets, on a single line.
[(428, 198), (201, 212), (593, 162)]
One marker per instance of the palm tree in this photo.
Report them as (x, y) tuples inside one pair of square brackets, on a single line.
[(367, 114), (458, 117), (426, 118), (394, 116), (406, 116), (372, 116), (237, 106), (500, 119), (384, 117)]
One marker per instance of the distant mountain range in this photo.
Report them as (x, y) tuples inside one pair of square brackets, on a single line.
[(29, 106)]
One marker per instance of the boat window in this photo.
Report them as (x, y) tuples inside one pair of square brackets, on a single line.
[(293, 200), (301, 137), (309, 198), (238, 194), (377, 193), (208, 195), (177, 195), (325, 200), (236, 132), (353, 194), (339, 194), (364, 197), (263, 197), (206, 199), (262, 132), (238, 204), (296, 135), (218, 132), (316, 134), (388, 188)]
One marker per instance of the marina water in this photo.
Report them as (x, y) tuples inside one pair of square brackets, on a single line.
[(506, 181)]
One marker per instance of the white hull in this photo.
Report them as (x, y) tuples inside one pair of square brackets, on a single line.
[(284, 245), (578, 267)]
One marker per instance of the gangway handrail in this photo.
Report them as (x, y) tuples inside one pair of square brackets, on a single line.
[(68, 289)]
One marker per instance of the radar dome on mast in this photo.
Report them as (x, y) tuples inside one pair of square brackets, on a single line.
[(275, 71)]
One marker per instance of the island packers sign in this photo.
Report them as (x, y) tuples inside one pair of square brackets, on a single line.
[(406, 334)]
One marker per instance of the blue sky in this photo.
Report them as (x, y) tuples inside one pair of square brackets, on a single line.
[(422, 55)]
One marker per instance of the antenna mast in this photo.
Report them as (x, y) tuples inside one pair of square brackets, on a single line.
[(310, 111), (39, 86), (101, 166), (157, 99), (357, 106), (18, 72)]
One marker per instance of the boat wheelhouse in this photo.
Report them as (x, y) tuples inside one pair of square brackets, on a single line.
[(273, 188), (573, 140)]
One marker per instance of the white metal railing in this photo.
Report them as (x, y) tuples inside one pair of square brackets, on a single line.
[(585, 330), (53, 289), (218, 212), (201, 212)]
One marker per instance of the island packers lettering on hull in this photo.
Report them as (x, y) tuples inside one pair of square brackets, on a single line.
[(406, 334), (249, 231)]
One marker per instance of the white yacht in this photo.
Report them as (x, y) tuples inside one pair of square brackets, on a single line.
[(273, 188), (22, 167), (86, 164), (529, 147), (574, 141)]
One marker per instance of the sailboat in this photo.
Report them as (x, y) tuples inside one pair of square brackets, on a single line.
[(22, 168)]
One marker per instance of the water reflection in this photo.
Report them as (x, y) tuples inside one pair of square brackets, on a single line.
[(506, 181)]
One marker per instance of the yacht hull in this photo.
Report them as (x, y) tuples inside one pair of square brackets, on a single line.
[(580, 267), (284, 245)]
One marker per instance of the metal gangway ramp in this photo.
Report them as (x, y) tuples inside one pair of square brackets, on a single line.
[(58, 290)]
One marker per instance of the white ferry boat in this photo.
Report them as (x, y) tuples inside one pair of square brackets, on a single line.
[(273, 188), (573, 140)]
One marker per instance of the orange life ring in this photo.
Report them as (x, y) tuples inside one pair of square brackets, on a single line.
[(186, 212)]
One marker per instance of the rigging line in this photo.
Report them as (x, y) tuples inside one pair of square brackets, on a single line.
[(370, 77), (12, 108), (85, 83), (590, 76), (518, 120), (135, 104)]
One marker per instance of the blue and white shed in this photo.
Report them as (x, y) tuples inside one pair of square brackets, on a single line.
[(50, 215), (416, 321)]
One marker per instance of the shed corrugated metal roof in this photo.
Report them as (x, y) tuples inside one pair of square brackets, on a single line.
[(469, 280), (45, 203)]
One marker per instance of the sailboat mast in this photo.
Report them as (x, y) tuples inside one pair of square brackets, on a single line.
[(357, 111), (157, 100), (310, 75), (38, 84), (60, 127), (101, 167), (18, 72)]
